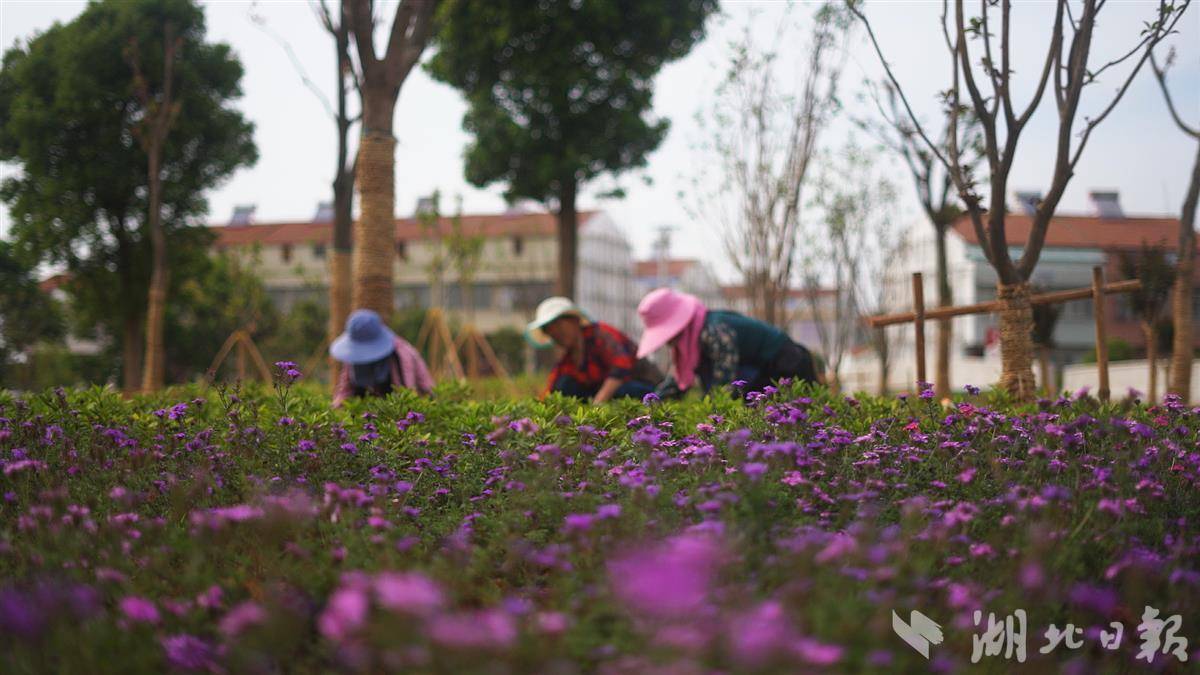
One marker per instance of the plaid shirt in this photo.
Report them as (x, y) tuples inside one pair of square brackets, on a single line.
[(607, 352)]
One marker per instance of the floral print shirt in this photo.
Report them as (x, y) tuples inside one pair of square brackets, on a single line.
[(719, 359)]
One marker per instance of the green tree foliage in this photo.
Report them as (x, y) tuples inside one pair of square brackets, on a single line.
[(559, 91), (27, 315), (67, 113), (1151, 266), (211, 298)]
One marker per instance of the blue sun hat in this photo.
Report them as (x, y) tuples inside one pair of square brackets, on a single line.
[(365, 339)]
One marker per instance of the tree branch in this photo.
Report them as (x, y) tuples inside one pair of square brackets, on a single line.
[(1160, 74), (259, 21)]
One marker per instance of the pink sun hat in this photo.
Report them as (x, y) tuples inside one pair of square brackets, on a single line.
[(664, 313)]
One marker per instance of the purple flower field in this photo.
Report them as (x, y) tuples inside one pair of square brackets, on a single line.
[(257, 531)]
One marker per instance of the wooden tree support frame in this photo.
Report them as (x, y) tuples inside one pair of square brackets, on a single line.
[(1096, 292), (475, 343), (245, 348), (434, 340), (319, 355)]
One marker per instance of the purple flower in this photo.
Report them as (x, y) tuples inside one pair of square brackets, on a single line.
[(754, 470), (188, 652), (578, 522), (552, 623), (760, 635), (410, 593), (21, 615), (1103, 601), (289, 371), (668, 579), (139, 610), (241, 617), (818, 653), (607, 511), (344, 614), (650, 399), (486, 629)]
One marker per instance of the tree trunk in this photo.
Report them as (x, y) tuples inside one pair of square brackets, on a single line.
[(339, 292), (881, 350), (340, 258), (375, 231), (131, 354), (568, 238), (941, 376), (155, 360), (1044, 368), (1182, 344), (343, 196), (339, 261), (1151, 332), (1016, 343)]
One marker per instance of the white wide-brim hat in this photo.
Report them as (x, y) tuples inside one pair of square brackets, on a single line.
[(547, 311)]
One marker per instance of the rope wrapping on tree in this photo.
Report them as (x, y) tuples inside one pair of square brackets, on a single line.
[(1016, 340), (375, 230)]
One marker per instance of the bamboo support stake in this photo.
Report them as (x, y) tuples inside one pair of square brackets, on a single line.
[(1101, 336), (263, 371), (918, 287), (221, 354), (241, 358)]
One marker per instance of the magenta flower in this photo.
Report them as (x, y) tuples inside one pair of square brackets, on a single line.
[(818, 653), (669, 579), (408, 593), (139, 610), (486, 629), (188, 652), (241, 617), (344, 614), (760, 635), (578, 522), (552, 623)]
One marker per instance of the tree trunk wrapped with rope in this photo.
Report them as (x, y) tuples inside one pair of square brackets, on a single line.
[(339, 293), (375, 231), (1016, 340)]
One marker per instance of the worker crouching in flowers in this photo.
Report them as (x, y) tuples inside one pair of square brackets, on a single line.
[(717, 346), (376, 360), (598, 362)]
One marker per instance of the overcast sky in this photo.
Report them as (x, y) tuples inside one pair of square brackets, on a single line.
[(1137, 150)]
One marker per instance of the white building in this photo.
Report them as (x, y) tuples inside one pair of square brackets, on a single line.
[(517, 268)]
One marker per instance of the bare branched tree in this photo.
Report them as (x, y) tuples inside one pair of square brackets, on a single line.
[(1067, 71), (1154, 269), (337, 24), (763, 138), (935, 193), (845, 249), (1185, 270)]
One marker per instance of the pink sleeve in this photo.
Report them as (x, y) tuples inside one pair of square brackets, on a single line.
[(342, 391), (424, 379), (415, 373)]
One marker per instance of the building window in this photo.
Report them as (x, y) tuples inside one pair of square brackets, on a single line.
[(285, 252), (518, 245), (1077, 310), (402, 250), (318, 250)]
